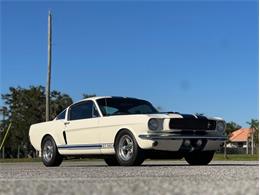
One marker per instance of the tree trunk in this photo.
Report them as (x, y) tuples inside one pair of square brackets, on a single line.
[(225, 150), (3, 152), (252, 143)]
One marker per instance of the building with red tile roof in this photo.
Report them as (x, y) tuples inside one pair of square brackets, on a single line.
[(241, 138), (240, 135)]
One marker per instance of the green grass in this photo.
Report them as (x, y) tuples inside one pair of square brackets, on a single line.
[(16, 160), (237, 157), (230, 157)]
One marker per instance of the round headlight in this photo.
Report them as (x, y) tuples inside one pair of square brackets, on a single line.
[(220, 126), (153, 124)]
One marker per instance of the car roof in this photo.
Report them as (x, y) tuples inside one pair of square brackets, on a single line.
[(101, 97), (96, 98)]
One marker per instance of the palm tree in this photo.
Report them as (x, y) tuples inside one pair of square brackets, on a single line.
[(254, 125)]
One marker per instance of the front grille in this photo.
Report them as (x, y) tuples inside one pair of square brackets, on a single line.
[(192, 124)]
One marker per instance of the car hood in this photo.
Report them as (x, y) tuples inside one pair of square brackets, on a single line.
[(180, 115), (165, 115)]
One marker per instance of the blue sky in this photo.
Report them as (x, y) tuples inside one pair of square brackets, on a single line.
[(182, 56)]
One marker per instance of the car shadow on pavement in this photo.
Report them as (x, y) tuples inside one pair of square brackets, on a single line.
[(169, 165), (209, 165)]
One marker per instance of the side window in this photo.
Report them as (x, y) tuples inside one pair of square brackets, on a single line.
[(61, 115), (83, 110), (108, 110)]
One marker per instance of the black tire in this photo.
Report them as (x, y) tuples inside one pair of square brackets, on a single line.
[(111, 161), (50, 154), (199, 158), (136, 155)]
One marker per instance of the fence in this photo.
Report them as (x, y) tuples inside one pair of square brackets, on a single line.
[(238, 150), (20, 152)]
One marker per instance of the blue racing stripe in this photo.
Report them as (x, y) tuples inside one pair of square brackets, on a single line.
[(81, 146)]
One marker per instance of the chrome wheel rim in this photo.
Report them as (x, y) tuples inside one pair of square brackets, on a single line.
[(126, 147), (48, 150)]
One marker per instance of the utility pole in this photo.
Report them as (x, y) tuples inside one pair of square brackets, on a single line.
[(48, 85), (3, 110), (225, 149)]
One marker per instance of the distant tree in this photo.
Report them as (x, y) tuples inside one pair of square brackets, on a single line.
[(85, 95), (254, 125), (232, 126), (58, 103), (26, 107)]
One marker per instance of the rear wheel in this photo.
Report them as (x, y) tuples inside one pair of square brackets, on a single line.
[(128, 152), (199, 158), (50, 154)]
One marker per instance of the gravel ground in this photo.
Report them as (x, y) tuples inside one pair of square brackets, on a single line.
[(154, 177)]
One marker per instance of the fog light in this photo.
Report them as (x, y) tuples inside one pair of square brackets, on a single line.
[(186, 142), (199, 142)]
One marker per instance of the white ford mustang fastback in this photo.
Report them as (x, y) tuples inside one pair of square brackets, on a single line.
[(126, 131)]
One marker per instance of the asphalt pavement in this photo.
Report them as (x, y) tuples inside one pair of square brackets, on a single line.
[(153, 177)]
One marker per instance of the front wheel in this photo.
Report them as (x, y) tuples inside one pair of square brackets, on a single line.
[(199, 158), (128, 152), (111, 161), (50, 154)]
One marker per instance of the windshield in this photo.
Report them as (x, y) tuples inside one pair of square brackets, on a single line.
[(123, 106)]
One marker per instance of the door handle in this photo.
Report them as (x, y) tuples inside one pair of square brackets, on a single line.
[(66, 123)]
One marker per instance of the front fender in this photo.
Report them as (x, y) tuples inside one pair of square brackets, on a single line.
[(144, 144)]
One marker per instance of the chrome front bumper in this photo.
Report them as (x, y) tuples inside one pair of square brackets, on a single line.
[(176, 142), (172, 136)]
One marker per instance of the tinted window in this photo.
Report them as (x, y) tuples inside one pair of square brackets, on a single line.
[(122, 106), (61, 115), (83, 110), (108, 110)]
